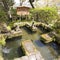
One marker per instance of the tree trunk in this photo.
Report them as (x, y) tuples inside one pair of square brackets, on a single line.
[(31, 3)]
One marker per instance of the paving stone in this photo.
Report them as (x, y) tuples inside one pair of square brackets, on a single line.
[(32, 57), (24, 58)]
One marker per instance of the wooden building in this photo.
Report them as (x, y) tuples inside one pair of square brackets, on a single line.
[(22, 10)]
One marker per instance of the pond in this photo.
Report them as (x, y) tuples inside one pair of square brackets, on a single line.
[(11, 50)]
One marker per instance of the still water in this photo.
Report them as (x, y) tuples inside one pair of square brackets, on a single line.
[(11, 50)]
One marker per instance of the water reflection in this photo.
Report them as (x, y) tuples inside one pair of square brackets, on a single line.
[(55, 48), (39, 43)]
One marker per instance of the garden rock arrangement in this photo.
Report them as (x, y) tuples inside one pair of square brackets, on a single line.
[(30, 51)]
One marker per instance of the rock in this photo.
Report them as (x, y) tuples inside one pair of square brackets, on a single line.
[(17, 59), (28, 47), (24, 58), (46, 38), (4, 28), (1, 58)]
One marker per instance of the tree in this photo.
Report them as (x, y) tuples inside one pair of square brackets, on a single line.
[(31, 2), (7, 4), (3, 14)]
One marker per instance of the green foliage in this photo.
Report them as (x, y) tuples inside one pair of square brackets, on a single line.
[(8, 2), (57, 24), (3, 15), (14, 14), (47, 14), (57, 27), (13, 11), (9, 28), (2, 40)]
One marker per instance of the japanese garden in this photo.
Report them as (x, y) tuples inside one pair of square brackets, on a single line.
[(29, 29)]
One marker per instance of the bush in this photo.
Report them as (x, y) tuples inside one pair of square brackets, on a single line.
[(2, 40), (57, 24), (46, 14), (3, 15)]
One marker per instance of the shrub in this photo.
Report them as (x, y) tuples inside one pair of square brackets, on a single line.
[(2, 40), (3, 15), (46, 14)]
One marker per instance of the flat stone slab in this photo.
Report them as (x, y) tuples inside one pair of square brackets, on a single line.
[(12, 34), (24, 58), (46, 38), (28, 47)]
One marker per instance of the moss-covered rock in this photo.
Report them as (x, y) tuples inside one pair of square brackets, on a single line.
[(4, 28)]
